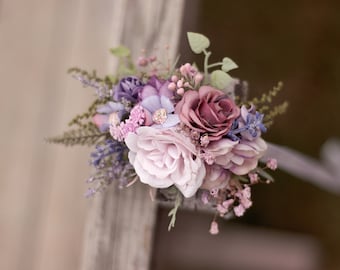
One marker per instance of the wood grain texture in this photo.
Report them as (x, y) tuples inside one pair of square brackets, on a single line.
[(42, 208), (120, 223)]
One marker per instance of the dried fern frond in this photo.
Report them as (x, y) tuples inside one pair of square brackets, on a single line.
[(277, 110), (82, 136), (267, 98), (82, 120)]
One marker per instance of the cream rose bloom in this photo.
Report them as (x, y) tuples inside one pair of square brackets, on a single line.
[(162, 158)]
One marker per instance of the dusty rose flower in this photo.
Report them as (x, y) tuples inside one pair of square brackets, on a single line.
[(207, 110), (238, 157), (216, 177), (163, 158)]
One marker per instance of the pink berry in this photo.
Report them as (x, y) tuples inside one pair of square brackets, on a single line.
[(172, 86), (180, 91)]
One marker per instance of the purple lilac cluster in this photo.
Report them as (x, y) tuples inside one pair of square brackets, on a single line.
[(180, 131)]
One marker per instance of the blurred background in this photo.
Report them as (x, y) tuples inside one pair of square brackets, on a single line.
[(292, 225)]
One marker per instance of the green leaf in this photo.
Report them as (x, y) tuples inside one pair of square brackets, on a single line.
[(120, 51), (264, 174), (198, 42), (228, 64), (243, 179), (220, 79), (174, 210)]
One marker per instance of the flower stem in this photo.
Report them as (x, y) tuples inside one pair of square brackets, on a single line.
[(206, 66), (215, 65)]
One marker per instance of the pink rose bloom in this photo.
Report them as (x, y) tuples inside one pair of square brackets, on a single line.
[(207, 110), (241, 158), (162, 158), (216, 177)]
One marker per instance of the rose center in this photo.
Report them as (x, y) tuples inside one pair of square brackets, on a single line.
[(159, 116)]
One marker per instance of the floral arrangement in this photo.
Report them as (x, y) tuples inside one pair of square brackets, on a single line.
[(188, 134)]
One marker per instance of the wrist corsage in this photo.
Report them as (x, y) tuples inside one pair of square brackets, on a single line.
[(189, 134)]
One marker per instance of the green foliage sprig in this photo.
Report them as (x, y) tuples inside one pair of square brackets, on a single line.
[(262, 105), (218, 78), (86, 135), (173, 211), (92, 76), (83, 120)]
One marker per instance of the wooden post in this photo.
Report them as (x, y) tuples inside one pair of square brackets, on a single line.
[(120, 223)]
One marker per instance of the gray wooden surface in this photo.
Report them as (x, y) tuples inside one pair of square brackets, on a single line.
[(42, 208), (121, 222)]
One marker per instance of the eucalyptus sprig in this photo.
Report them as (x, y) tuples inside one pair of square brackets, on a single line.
[(218, 78), (125, 64)]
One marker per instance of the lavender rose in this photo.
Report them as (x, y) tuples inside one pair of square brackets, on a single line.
[(241, 158), (158, 107), (162, 158), (216, 177), (128, 88), (156, 87), (207, 110)]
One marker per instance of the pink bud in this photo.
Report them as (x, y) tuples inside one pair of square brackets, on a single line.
[(180, 91), (198, 78), (214, 228), (142, 61), (254, 178), (180, 83), (174, 78), (183, 71), (228, 203), (172, 86), (205, 197), (152, 58), (239, 210), (221, 209), (272, 164)]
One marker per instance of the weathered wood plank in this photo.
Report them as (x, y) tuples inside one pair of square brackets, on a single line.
[(120, 224), (41, 189)]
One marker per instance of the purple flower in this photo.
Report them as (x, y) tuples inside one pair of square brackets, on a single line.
[(157, 104), (156, 87), (108, 114), (128, 88), (248, 126)]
